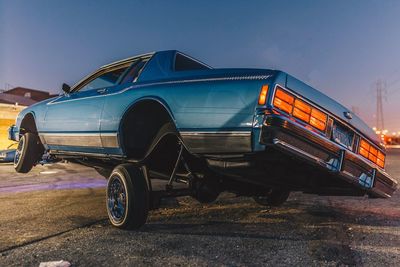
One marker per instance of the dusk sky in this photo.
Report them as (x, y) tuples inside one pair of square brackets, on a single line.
[(340, 47)]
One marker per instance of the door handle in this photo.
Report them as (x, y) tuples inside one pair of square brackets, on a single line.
[(102, 90)]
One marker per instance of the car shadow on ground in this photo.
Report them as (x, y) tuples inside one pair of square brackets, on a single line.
[(328, 229)]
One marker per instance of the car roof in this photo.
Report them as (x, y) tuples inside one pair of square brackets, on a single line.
[(125, 60)]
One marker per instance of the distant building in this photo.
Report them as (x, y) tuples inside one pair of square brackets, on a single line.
[(11, 103), (23, 96)]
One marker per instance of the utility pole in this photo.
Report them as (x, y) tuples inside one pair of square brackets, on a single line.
[(380, 94)]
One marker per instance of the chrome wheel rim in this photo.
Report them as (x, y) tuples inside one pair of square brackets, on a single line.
[(18, 151), (116, 199)]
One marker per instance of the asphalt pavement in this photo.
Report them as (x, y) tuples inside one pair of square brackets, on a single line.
[(57, 212)]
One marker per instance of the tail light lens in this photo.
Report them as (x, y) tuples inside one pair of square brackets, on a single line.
[(283, 101), (300, 109), (381, 159), (318, 119), (262, 99), (369, 152)]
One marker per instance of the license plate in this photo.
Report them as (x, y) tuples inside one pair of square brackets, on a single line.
[(342, 136)]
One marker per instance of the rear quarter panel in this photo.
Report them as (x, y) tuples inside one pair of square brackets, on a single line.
[(194, 106), (202, 106)]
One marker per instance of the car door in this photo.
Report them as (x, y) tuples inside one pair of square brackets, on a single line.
[(116, 104), (72, 121)]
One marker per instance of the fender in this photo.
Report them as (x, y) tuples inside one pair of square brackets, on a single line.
[(23, 118)]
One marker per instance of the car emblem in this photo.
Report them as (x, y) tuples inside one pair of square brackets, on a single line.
[(348, 115)]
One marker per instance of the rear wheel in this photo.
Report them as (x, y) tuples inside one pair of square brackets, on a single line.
[(127, 197), (28, 153), (207, 189), (275, 197)]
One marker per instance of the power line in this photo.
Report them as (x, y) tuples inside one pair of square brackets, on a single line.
[(394, 91), (393, 82)]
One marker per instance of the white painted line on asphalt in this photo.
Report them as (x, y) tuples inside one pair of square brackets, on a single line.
[(48, 172), (54, 186)]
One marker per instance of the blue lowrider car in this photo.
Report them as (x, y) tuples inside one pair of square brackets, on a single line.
[(164, 124)]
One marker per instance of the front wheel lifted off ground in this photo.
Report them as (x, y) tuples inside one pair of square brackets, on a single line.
[(28, 152), (127, 197)]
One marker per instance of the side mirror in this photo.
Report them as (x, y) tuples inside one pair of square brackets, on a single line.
[(66, 88)]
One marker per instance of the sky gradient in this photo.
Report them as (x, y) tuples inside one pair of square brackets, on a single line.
[(340, 47)]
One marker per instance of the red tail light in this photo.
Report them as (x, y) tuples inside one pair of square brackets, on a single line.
[(369, 152), (300, 109)]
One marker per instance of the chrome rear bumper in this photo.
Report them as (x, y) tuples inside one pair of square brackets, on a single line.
[(294, 139)]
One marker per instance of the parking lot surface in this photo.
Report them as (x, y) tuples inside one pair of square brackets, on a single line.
[(57, 212)]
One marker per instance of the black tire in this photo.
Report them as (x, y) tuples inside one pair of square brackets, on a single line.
[(28, 153), (132, 197), (207, 190), (274, 198)]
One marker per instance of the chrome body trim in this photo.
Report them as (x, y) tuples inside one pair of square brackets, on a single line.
[(111, 65), (348, 165), (316, 135), (98, 140), (232, 78), (287, 146), (217, 142), (118, 62), (110, 140), (222, 133), (89, 154)]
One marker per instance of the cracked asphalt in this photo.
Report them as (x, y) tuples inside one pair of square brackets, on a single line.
[(57, 212)]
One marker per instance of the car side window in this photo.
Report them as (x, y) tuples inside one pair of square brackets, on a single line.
[(134, 72), (106, 79)]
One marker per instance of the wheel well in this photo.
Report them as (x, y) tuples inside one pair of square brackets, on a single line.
[(140, 126), (28, 124)]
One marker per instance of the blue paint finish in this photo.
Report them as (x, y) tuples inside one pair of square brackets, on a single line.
[(159, 67), (79, 111), (202, 100), (196, 104)]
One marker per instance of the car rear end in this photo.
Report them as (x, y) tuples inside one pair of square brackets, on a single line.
[(306, 125)]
